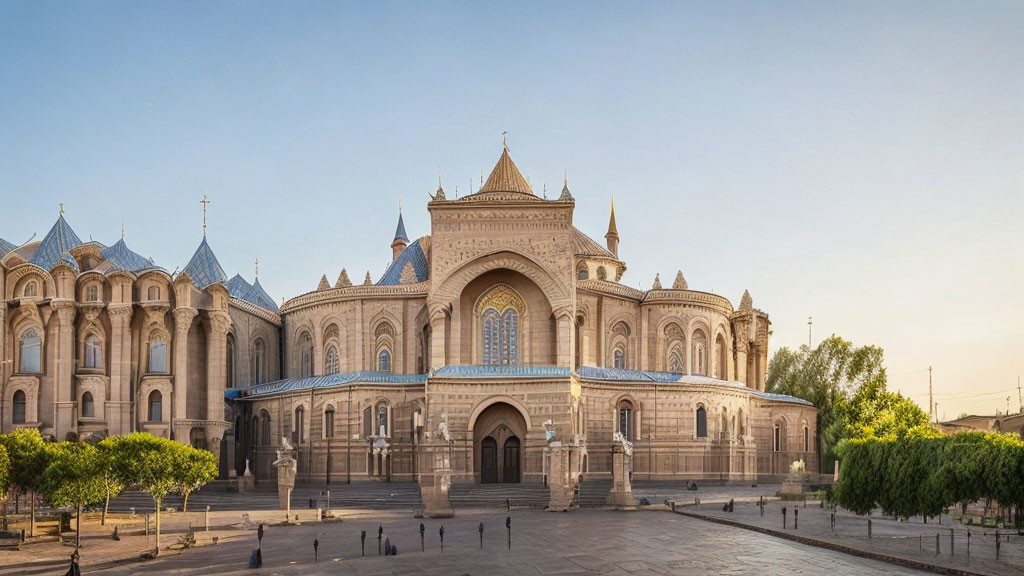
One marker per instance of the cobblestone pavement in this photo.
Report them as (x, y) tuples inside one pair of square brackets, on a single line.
[(543, 543), (910, 539)]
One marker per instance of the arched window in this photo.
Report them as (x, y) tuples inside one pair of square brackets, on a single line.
[(382, 419), (30, 358), (499, 311), (626, 419), (329, 422), (91, 293), (153, 293), (331, 360), (777, 438), (807, 438), (265, 428), (258, 355), (88, 408), (675, 360), (156, 411), (158, 356), (721, 358), (306, 350), (582, 273), (19, 406), (31, 289), (299, 433), (702, 422), (700, 352), (93, 352), (618, 358), (230, 360), (601, 274), (384, 360)]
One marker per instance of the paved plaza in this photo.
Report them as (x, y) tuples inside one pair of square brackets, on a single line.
[(583, 542)]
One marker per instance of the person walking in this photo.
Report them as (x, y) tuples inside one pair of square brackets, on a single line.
[(74, 569)]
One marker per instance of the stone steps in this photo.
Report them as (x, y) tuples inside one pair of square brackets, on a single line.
[(594, 493), (495, 495)]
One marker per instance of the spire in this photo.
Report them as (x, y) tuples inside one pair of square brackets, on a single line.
[(657, 282), (400, 230), (746, 302), (57, 244), (323, 284), (680, 283), (612, 237), (566, 196), (343, 280), (506, 177), (367, 281), (204, 269), (122, 228), (257, 269), (439, 195), (204, 202)]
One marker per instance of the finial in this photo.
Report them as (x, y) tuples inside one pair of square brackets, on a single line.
[(470, 186), (61, 208), (545, 189), (439, 177), (565, 178), (504, 140), (122, 228), (399, 203), (204, 202), (257, 268)]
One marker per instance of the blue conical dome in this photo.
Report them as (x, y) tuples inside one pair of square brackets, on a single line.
[(203, 268), (57, 245)]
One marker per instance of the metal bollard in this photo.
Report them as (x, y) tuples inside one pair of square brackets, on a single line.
[(481, 535), (936, 543), (508, 527), (968, 542), (442, 539), (869, 528), (207, 518), (997, 544), (951, 548), (796, 518), (380, 536), (422, 530), (783, 517), (362, 543), (832, 520)]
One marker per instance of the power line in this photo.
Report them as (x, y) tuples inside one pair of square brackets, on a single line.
[(911, 372)]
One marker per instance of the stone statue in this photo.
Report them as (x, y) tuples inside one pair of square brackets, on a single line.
[(247, 471), (627, 446), (442, 431), (797, 467), (286, 445)]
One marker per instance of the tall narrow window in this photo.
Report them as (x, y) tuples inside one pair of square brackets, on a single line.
[(777, 438), (331, 361), (626, 419), (258, 353), (499, 314), (382, 419), (93, 352), (329, 422), (619, 358), (306, 350), (19, 407), (601, 274), (230, 362), (702, 422), (88, 407), (156, 413), (807, 439), (265, 428), (91, 294), (31, 352), (299, 434), (158, 357), (384, 361), (675, 360), (153, 293), (30, 289)]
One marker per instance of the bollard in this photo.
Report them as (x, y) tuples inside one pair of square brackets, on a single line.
[(997, 544), (920, 543), (328, 503), (362, 543), (442, 539), (316, 549), (207, 518), (832, 520), (481, 535), (869, 528), (936, 543), (968, 542), (951, 549), (422, 530), (508, 527), (796, 518), (783, 517), (380, 536)]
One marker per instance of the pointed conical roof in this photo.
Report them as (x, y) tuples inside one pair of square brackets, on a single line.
[(400, 230), (122, 258), (57, 245), (324, 285), (343, 280), (258, 296), (680, 283), (203, 268), (506, 177), (657, 282), (5, 247), (238, 287), (746, 302), (612, 229)]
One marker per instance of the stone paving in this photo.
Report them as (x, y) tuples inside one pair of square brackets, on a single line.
[(910, 539), (543, 543)]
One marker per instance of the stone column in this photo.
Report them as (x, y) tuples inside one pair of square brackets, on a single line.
[(741, 357), (561, 483), (565, 339), (216, 364), (621, 495), (64, 367), (118, 408), (182, 322), (437, 338)]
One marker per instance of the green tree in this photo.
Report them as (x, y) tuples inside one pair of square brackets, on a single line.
[(5, 473), (111, 452), (29, 458), (150, 463), (73, 477), (194, 468)]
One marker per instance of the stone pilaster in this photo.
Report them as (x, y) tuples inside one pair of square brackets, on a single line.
[(182, 323), (64, 367), (118, 408), (437, 338), (566, 338)]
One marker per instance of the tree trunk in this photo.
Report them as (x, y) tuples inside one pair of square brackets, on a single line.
[(184, 501), (32, 516), (158, 500), (106, 506), (78, 527)]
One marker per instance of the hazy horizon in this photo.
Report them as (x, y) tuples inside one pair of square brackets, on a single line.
[(855, 162)]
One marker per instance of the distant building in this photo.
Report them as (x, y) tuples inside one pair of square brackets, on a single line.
[(1010, 423)]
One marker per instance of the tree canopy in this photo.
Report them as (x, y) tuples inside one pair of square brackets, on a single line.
[(73, 476)]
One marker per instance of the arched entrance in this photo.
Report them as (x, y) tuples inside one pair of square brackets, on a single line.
[(498, 437)]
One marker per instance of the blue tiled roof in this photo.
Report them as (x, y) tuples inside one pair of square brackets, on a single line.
[(501, 371), (293, 384), (5, 247), (122, 258), (782, 398), (258, 296), (624, 375), (413, 253), (56, 246), (400, 230), (238, 287), (203, 268)]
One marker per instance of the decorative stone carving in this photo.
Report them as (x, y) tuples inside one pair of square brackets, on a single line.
[(657, 282), (680, 282), (746, 302), (408, 274), (323, 284), (343, 281), (367, 281)]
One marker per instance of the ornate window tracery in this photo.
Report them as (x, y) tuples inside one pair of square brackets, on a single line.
[(31, 346), (626, 419), (500, 311), (619, 358), (93, 352), (31, 289), (92, 293), (331, 364), (675, 359), (384, 360), (306, 352)]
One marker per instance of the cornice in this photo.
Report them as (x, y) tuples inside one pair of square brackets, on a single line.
[(348, 293), (249, 307)]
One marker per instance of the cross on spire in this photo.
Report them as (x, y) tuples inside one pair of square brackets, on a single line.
[(257, 268), (504, 139), (61, 208), (122, 228), (204, 202)]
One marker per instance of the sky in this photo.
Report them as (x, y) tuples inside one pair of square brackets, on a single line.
[(861, 163)]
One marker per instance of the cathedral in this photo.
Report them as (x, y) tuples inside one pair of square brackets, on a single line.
[(502, 329)]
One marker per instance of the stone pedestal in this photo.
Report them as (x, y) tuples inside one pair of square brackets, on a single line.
[(286, 470), (435, 486), (562, 476), (795, 484), (621, 495)]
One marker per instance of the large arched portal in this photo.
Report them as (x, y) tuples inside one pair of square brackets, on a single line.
[(498, 436)]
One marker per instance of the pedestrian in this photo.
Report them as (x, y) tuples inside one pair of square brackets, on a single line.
[(74, 570), (259, 534), (387, 546)]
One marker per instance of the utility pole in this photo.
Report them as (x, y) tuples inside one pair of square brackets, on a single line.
[(1020, 398), (936, 412), (810, 322), (930, 398)]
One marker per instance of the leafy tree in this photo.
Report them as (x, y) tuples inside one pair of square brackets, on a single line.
[(5, 471), (73, 477), (29, 457), (194, 468), (111, 452), (150, 463)]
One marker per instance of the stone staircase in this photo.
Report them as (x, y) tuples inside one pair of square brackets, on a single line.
[(495, 495), (594, 492)]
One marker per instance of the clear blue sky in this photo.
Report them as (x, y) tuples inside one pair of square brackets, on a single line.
[(860, 162)]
